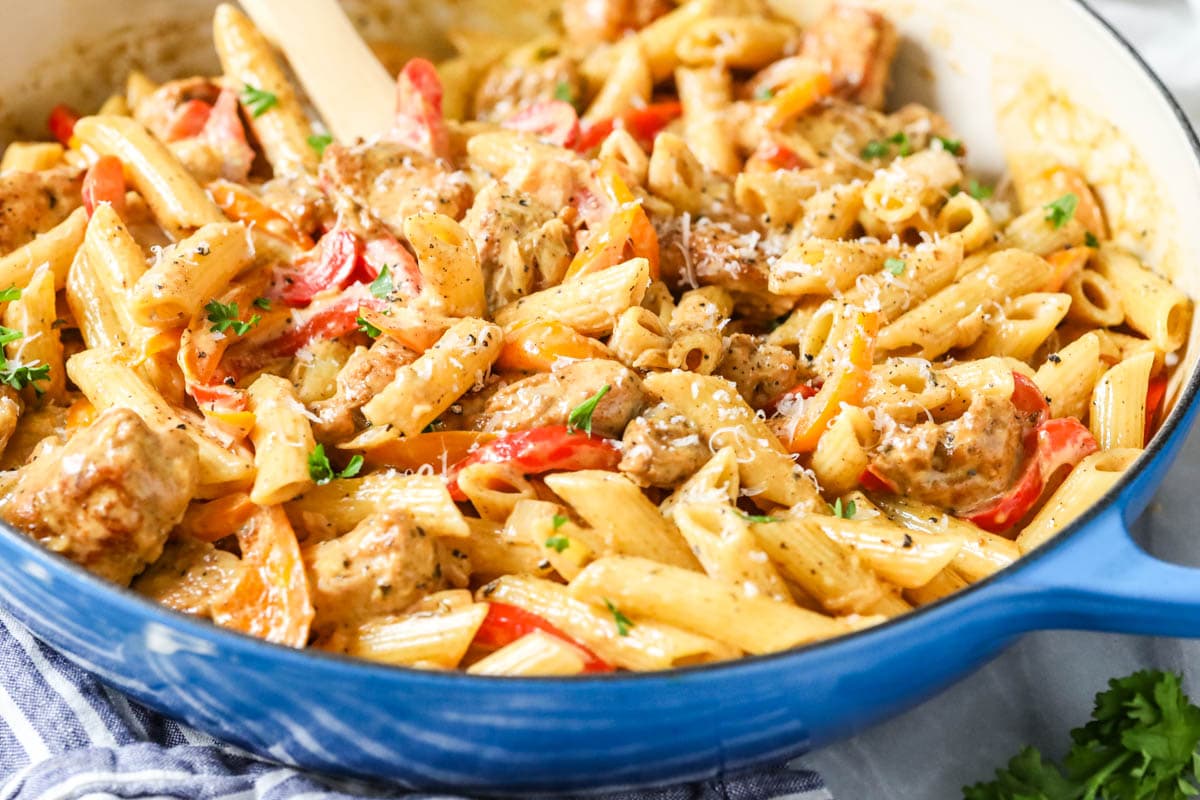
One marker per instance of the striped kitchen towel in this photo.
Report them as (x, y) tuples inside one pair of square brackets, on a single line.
[(66, 736)]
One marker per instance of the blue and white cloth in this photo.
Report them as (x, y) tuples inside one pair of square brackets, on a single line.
[(66, 736)]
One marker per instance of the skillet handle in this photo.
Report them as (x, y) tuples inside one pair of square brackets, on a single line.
[(1103, 580)]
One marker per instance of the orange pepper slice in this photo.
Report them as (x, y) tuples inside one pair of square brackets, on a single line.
[(628, 228), (1065, 263), (797, 97), (848, 387), (537, 346), (270, 598), (80, 414), (241, 205), (216, 519)]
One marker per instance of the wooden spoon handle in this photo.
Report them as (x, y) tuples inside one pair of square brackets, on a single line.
[(350, 88)]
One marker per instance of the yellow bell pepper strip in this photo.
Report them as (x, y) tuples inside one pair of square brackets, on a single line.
[(797, 97), (628, 229), (270, 598), (847, 387), (539, 345)]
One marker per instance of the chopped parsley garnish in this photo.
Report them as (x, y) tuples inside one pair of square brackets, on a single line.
[(623, 622), (433, 427), (846, 511), (581, 415), (903, 145), (319, 141), (10, 294), (258, 101), (978, 190), (756, 517), (952, 146), (1059, 212), (368, 328), (559, 520), (765, 93), (1140, 743), (9, 335), (382, 286), (1090, 239), (18, 377), (224, 316), (558, 543), (563, 92), (320, 470), (894, 265), (263, 303), (875, 149)]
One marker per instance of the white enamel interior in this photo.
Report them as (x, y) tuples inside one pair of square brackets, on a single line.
[(959, 56)]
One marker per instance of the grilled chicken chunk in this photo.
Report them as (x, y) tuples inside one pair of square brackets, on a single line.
[(366, 373), (381, 567), (855, 45), (107, 498), (394, 182), (548, 398), (663, 448), (761, 371), (34, 202)]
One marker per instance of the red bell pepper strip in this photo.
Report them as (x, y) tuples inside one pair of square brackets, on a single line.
[(545, 449), (1028, 399), (645, 124), (61, 122), (329, 265), (419, 120), (1052, 444), (105, 183), (553, 121), (1155, 394), (188, 120), (386, 250), (338, 319), (505, 624), (773, 155), (874, 481)]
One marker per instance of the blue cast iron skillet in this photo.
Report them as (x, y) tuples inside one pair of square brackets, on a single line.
[(523, 736)]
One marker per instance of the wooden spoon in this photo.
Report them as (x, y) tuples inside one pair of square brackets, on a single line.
[(350, 88)]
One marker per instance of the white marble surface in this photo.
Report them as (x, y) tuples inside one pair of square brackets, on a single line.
[(1042, 687)]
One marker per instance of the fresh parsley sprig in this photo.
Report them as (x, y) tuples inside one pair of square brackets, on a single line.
[(756, 518), (623, 622), (318, 142), (580, 418), (258, 101), (895, 266), (225, 316), (1140, 745), (846, 511), (382, 286), (1060, 211), (322, 472)]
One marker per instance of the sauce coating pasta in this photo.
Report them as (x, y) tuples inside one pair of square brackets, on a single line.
[(656, 341)]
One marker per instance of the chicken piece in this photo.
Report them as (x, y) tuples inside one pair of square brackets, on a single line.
[(300, 199), (522, 245), (549, 398), (522, 80), (761, 371), (365, 374), (663, 448), (381, 567), (160, 110), (957, 465), (107, 498), (394, 182), (855, 46), (712, 253), (189, 576), (34, 202), (590, 22)]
